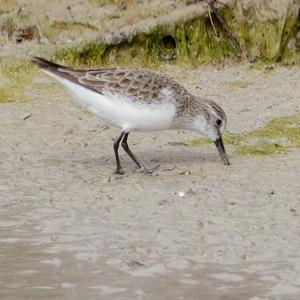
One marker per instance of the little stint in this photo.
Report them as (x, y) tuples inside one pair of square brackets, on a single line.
[(139, 100)]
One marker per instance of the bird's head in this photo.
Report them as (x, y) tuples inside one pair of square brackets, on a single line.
[(211, 121)]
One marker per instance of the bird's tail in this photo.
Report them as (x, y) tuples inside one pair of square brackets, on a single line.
[(47, 65)]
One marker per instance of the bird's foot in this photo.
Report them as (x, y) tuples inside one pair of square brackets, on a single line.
[(119, 171), (145, 170)]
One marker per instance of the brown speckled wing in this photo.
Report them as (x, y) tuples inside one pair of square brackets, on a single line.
[(139, 85)]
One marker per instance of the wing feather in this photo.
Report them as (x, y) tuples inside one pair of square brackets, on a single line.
[(137, 84)]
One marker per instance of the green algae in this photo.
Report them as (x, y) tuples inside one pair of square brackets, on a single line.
[(285, 127), (278, 136), (228, 138), (235, 85), (195, 41), (262, 148), (103, 2), (90, 54), (191, 42), (266, 40), (15, 75), (198, 142)]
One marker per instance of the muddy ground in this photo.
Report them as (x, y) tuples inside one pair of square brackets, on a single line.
[(194, 229)]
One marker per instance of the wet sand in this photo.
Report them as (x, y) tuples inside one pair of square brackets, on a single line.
[(70, 229)]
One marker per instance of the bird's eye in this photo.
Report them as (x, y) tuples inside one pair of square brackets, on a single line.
[(219, 122)]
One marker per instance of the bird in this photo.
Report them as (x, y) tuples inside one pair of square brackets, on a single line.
[(136, 99)]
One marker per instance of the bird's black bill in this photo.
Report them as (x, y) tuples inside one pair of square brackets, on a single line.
[(220, 146)]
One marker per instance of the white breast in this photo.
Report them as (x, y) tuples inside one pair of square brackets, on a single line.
[(121, 111)]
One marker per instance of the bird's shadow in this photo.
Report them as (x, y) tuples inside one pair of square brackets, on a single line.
[(177, 156), (148, 157)]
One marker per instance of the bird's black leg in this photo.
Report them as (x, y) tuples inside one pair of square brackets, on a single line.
[(119, 169), (131, 155), (128, 151)]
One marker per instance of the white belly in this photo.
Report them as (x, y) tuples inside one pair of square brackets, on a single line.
[(121, 111)]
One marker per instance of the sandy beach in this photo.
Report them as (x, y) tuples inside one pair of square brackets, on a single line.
[(194, 228)]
